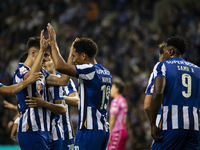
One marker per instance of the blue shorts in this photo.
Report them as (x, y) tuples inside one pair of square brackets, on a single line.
[(177, 139), (57, 144), (91, 139), (30, 140), (68, 144)]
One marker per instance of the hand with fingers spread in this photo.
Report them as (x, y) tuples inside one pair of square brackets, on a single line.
[(35, 101), (34, 77), (154, 133)]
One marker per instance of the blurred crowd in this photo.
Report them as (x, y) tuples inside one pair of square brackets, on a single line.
[(128, 46)]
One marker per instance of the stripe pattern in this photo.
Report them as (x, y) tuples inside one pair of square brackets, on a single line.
[(55, 93), (35, 119), (181, 118), (91, 96), (179, 111)]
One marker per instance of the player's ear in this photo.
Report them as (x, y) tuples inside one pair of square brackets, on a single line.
[(33, 52), (83, 56), (171, 51)]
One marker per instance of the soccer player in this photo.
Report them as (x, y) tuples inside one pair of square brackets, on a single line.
[(176, 87), (150, 86), (61, 128), (94, 90), (34, 125), (13, 89), (118, 113)]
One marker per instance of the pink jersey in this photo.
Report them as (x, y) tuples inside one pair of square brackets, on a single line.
[(119, 107)]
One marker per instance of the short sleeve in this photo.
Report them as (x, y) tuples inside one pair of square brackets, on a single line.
[(85, 71), (70, 88), (45, 73), (150, 86), (1, 84), (159, 70)]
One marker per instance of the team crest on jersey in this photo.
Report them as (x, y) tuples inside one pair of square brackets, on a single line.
[(40, 87)]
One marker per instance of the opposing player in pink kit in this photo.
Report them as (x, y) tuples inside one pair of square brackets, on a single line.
[(118, 113)]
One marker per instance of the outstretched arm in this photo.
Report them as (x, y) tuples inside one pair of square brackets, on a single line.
[(59, 62), (14, 89), (57, 108)]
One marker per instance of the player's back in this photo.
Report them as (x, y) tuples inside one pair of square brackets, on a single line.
[(94, 89), (181, 94)]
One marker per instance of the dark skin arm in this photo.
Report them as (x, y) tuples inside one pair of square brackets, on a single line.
[(59, 63), (157, 98)]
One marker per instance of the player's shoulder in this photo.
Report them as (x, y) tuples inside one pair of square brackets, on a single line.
[(101, 70), (1, 84), (84, 66), (21, 69)]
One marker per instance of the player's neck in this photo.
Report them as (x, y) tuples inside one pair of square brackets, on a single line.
[(91, 61), (28, 62)]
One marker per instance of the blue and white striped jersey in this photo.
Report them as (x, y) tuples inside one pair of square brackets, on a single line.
[(55, 93), (94, 90), (35, 119), (65, 119), (181, 95), (149, 91), (1, 84)]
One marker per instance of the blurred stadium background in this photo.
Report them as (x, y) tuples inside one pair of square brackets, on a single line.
[(127, 33)]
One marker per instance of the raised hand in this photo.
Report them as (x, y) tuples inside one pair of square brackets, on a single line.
[(43, 42), (34, 77), (35, 101), (52, 33)]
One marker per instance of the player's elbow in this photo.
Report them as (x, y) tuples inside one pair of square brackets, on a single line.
[(146, 108)]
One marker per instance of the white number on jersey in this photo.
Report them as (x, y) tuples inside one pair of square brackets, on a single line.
[(106, 94), (76, 147), (187, 82)]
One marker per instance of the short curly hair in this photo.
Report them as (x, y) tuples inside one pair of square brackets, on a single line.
[(87, 46), (179, 43)]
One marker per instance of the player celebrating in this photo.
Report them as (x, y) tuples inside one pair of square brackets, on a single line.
[(33, 125), (13, 89), (176, 87), (94, 88), (118, 113)]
